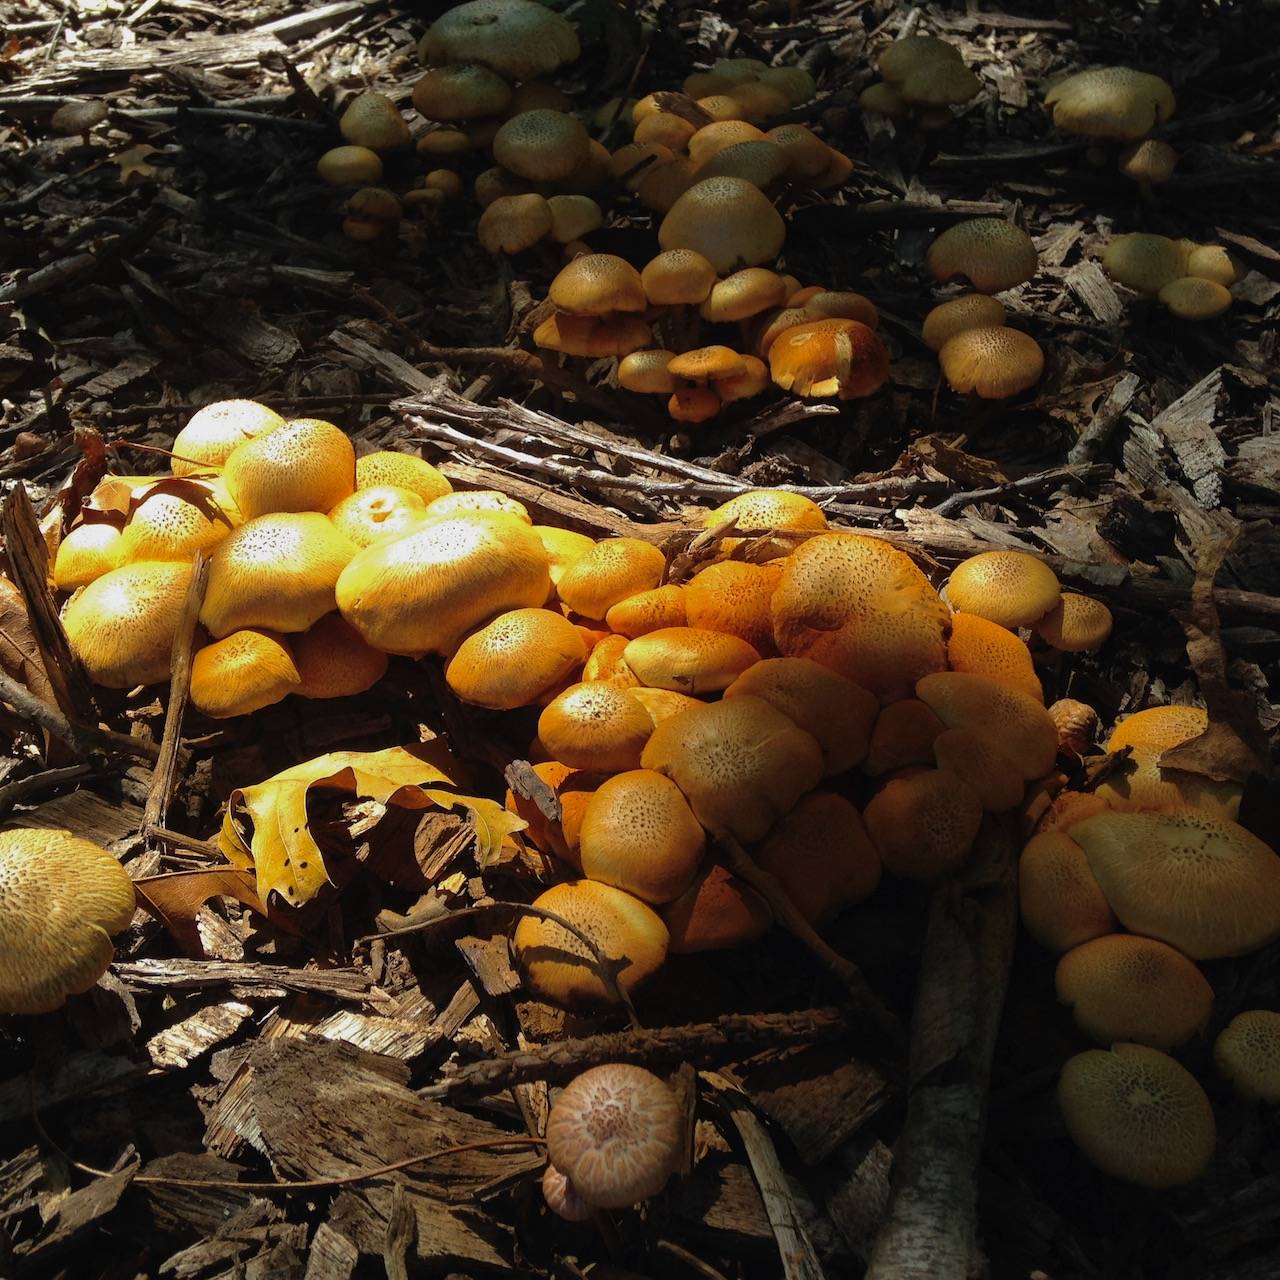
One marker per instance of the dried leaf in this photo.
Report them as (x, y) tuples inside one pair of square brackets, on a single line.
[(133, 163), (19, 652), (176, 899)]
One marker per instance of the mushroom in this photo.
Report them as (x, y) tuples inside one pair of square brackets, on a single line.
[(688, 660), (752, 381), (924, 825), (1194, 298), (832, 357), (518, 659), (1121, 987), (1077, 725), (477, 501), (304, 465), (1213, 262), (401, 471), (707, 364), (900, 58), (647, 611), (370, 515), (175, 520), (665, 128), (461, 91), (349, 166), (939, 83), (1159, 728), (991, 363), (61, 899), (760, 162), (979, 762), (1114, 103), (212, 433), (985, 648), (662, 704), (372, 120), (678, 277), (519, 39), (733, 597), (511, 224), (79, 117), (759, 102), (1138, 1115), (1061, 903), (693, 404), (719, 136), (598, 284), (605, 663), (443, 142), (992, 254), (903, 734), (795, 82), (969, 311), (729, 221), (86, 553), (242, 673), (1012, 588), (617, 335), (766, 509), (333, 660), (1076, 624), (1149, 162), (595, 725), (542, 146), (745, 293), (716, 912), (563, 547), (646, 372), (1247, 1052), (573, 217), (561, 1197), (1144, 262), (807, 155), (616, 1132), (613, 570), (884, 99)]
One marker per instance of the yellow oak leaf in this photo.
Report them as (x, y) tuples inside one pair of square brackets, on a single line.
[(133, 163)]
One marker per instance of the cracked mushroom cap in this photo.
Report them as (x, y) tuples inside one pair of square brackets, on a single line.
[(716, 912), (242, 673), (304, 465), (617, 1133), (992, 254), (979, 762), (924, 825), (1248, 1053), (832, 357), (86, 553), (519, 39), (516, 660), (334, 661), (212, 433), (1137, 1115), (370, 515), (741, 763), (559, 969), (733, 597), (991, 363), (372, 120), (613, 570), (542, 145), (903, 735), (1077, 624), (511, 224), (461, 91), (1204, 885), (647, 611), (598, 284), (899, 59), (61, 899), (596, 725), (646, 372), (985, 648), (1143, 261), (759, 509), (1061, 903), (1124, 988), (122, 625), (678, 277), (1012, 588), (688, 660), (1110, 102), (729, 221), (1194, 298), (743, 294), (970, 311), (401, 471)]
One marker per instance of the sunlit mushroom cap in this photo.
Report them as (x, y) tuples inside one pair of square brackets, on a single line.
[(519, 39), (1248, 1053), (1137, 1115), (1061, 903), (979, 762), (1144, 262), (595, 725), (833, 357), (1077, 624), (1194, 298), (987, 649), (899, 59), (993, 363), (1110, 102), (970, 311), (401, 471), (477, 501), (213, 432), (61, 899), (990, 253), (903, 734), (372, 120), (333, 660), (733, 597), (1150, 161), (1142, 783), (370, 515), (612, 570), (542, 145), (688, 659), (86, 553), (563, 547), (707, 364), (1159, 728), (176, 519), (597, 284), (924, 825), (1013, 588), (760, 509), (605, 663), (715, 912), (516, 660), (304, 465), (729, 221), (939, 83), (573, 789), (647, 611), (743, 294), (242, 673), (461, 92)]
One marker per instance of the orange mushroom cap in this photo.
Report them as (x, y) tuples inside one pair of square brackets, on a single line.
[(1062, 904), (516, 660), (985, 648), (992, 363), (1012, 588), (833, 357), (594, 725), (924, 826)]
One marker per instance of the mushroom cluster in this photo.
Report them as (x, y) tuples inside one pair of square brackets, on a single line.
[(1191, 280), (922, 78)]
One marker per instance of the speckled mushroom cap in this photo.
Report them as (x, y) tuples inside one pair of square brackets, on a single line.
[(903, 735), (122, 625), (1247, 1052), (213, 432), (901, 57), (939, 83), (372, 120), (519, 39), (757, 161), (1077, 624), (768, 509), (970, 311), (574, 789), (1013, 588), (807, 155), (1204, 885), (542, 145), (477, 502), (1061, 903), (713, 138), (612, 570), (511, 224), (924, 825), (884, 99), (831, 357), (461, 92), (985, 648), (1142, 784), (708, 364), (242, 673), (1149, 160), (333, 660), (401, 471), (694, 404), (992, 363), (176, 519), (688, 660), (616, 1132), (729, 221), (1194, 298), (563, 547), (1144, 262), (678, 277), (743, 294), (1159, 728), (304, 465), (980, 763), (595, 725), (1138, 1115), (648, 611), (732, 596), (646, 372), (1110, 102), (86, 553), (740, 763), (715, 912), (597, 284), (516, 660), (990, 253), (61, 899)]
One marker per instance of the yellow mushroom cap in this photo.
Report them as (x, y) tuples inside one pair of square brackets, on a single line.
[(1159, 728), (175, 520), (349, 167), (662, 704), (86, 553), (1077, 624), (822, 856), (61, 899), (1138, 1115), (558, 968), (401, 471), (740, 763), (333, 660), (616, 335), (939, 83), (461, 91), (304, 465), (213, 432), (745, 293), (1122, 987), (1194, 298), (678, 276), (370, 515), (979, 762), (595, 725), (733, 597), (715, 912), (605, 662), (1213, 262), (924, 825), (665, 128), (276, 572), (899, 59), (759, 509), (1247, 1052), (647, 611), (1062, 904), (719, 136), (1148, 160), (639, 834), (467, 501), (372, 120), (516, 660), (242, 673), (729, 221), (693, 404), (993, 363), (688, 660), (985, 648), (598, 284), (970, 311), (992, 254), (1012, 588), (832, 357), (511, 224), (612, 570), (573, 789), (563, 548), (1144, 262), (519, 39), (541, 145), (1110, 102), (647, 372), (1204, 885), (903, 734), (122, 625), (421, 593)]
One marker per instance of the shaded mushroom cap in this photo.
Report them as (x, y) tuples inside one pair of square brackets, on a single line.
[(992, 363), (86, 553), (516, 660), (443, 142), (990, 253), (939, 83), (1061, 903), (924, 825), (693, 404), (1149, 160), (595, 725), (612, 570), (461, 92), (822, 856), (716, 912), (688, 660), (370, 515), (512, 224), (702, 84), (1204, 885), (1121, 987), (970, 311), (563, 547), (884, 99), (542, 146), (617, 1133), (795, 82), (573, 789), (122, 625), (1247, 1052), (985, 648), (401, 471), (472, 501), (1110, 102), (538, 93), (739, 70), (647, 611), (639, 834), (333, 660), (561, 1197), (665, 128), (1194, 298), (1144, 262), (759, 162), (842, 304), (78, 117), (496, 183), (981, 764), (304, 465), (61, 899), (1213, 262), (242, 673), (573, 217), (597, 284), (372, 120), (1077, 624), (743, 386), (617, 335), (743, 294), (661, 185), (834, 357), (349, 166), (741, 764), (713, 138), (678, 276), (421, 593), (707, 364), (1068, 808), (212, 433), (519, 39), (726, 220), (646, 372), (1077, 725), (759, 102), (1013, 588), (899, 59), (760, 509), (733, 597), (1143, 784), (903, 734), (1137, 1115), (807, 154), (837, 173), (558, 968)]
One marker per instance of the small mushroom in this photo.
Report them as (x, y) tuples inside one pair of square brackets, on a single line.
[(765, 509), (924, 825), (333, 660), (1144, 262), (985, 648), (688, 659), (543, 146), (1194, 298), (716, 912), (598, 284), (1115, 103), (1012, 588), (992, 254), (733, 597), (461, 91), (648, 611), (304, 465), (512, 224), (1076, 624), (517, 660), (1247, 1052), (611, 571), (728, 221), (372, 120), (242, 673), (970, 311), (86, 553), (212, 433), (350, 166), (678, 277), (834, 357), (79, 117), (1149, 162), (596, 725), (370, 515), (903, 735)]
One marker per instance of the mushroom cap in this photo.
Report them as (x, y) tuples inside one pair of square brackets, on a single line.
[(1138, 1115), (838, 713), (840, 304), (574, 789), (1158, 728), (646, 372), (563, 547), (992, 254), (78, 117), (759, 102), (1149, 160), (558, 968), (86, 553), (795, 82), (1213, 262), (617, 335), (1143, 784), (122, 625), (477, 501), (542, 145), (372, 120), (605, 662), (333, 660), (688, 660), (836, 174), (276, 572), (1247, 1052), (715, 912), (1077, 624), (707, 364), (662, 704), (752, 381), (561, 1197), (598, 284), (1122, 987), (242, 673), (304, 465), (519, 39), (678, 276), (759, 509), (985, 648), (647, 611), (639, 834), (729, 221), (741, 763), (1144, 262), (1194, 298), (1077, 724), (496, 183), (612, 570), (349, 166), (860, 606), (401, 471), (980, 763), (616, 1132), (212, 433), (1012, 588), (693, 404), (822, 856), (758, 161), (516, 660), (1068, 808), (733, 597), (1061, 903), (384, 511), (713, 138), (743, 294), (443, 142), (832, 357), (808, 156), (663, 183), (1204, 885), (665, 128), (939, 83), (595, 725), (884, 99), (511, 224), (903, 734), (421, 593), (993, 363), (61, 899), (899, 59), (573, 217), (1110, 102), (969, 311), (1014, 723), (924, 825), (461, 91)]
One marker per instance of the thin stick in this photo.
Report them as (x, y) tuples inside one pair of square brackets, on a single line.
[(85, 740)]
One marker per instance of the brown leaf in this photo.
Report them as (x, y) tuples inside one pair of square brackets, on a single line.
[(19, 652), (176, 899), (133, 163)]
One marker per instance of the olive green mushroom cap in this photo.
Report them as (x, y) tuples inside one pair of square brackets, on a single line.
[(1110, 102), (992, 254), (1193, 298), (1144, 262), (519, 39)]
